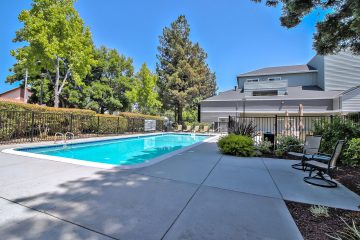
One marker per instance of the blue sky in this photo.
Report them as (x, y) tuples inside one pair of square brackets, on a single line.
[(238, 35)]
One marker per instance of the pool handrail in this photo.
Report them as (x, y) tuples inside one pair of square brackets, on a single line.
[(59, 134), (69, 133)]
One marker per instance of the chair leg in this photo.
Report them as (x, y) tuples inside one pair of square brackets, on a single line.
[(300, 166), (310, 171), (320, 178)]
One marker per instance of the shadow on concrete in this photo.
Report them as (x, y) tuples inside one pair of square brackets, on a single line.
[(117, 204)]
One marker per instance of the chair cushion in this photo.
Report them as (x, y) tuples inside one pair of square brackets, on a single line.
[(317, 164), (308, 156), (321, 158)]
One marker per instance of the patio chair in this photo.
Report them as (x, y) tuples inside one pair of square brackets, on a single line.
[(322, 168), (205, 129), (310, 148), (188, 129), (179, 129), (196, 129)]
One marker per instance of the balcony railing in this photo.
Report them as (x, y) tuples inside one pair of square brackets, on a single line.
[(266, 85)]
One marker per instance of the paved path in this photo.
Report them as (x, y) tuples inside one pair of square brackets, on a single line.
[(199, 194)]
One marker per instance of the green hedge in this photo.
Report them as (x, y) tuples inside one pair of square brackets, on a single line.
[(112, 124), (14, 106), (140, 116), (18, 106), (20, 121)]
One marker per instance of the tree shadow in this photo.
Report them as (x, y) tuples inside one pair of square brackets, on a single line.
[(117, 203)]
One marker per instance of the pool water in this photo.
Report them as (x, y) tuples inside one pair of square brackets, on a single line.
[(125, 151)]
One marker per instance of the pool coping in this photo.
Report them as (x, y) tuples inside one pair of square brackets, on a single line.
[(107, 166)]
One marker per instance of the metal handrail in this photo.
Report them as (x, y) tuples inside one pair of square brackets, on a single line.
[(69, 133), (59, 134)]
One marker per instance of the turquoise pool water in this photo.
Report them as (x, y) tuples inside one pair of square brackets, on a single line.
[(126, 151)]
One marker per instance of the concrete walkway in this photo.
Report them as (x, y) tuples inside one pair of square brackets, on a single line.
[(199, 194)]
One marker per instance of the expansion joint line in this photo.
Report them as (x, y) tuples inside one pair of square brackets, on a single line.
[(192, 196)]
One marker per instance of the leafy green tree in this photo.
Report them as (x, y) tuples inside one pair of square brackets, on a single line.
[(144, 94), (57, 41), (339, 31), (184, 77), (110, 78)]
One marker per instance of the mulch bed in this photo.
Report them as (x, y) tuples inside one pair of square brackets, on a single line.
[(317, 228), (349, 177)]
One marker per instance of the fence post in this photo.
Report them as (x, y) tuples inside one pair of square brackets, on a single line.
[(98, 125), (229, 123), (331, 119), (133, 125), (71, 123), (118, 125), (276, 130), (32, 125)]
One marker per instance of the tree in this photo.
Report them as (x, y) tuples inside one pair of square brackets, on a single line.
[(57, 40), (339, 31), (144, 93), (184, 77), (110, 78)]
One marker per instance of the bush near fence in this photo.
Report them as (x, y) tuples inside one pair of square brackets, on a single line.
[(112, 124), (15, 106), (21, 122), (136, 121), (140, 116)]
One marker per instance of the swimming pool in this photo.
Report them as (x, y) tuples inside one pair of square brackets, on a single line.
[(114, 152)]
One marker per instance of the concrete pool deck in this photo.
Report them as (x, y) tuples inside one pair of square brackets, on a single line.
[(197, 194)]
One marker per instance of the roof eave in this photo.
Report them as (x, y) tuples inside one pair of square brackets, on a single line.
[(275, 73)]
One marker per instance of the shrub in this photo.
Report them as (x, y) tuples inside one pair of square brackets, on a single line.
[(237, 145), (285, 144), (264, 147), (352, 153), (319, 211), (335, 130)]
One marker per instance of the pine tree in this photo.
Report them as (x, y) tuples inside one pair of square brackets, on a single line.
[(340, 29), (184, 77)]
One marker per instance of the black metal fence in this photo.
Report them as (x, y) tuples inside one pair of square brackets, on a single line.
[(27, 126), (298, 126)]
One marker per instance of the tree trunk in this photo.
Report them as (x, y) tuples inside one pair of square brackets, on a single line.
[(179, 113), (56, 87)]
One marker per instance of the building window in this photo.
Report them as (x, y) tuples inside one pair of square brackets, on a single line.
[(274, 78), (265, 93), (252, 80)]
